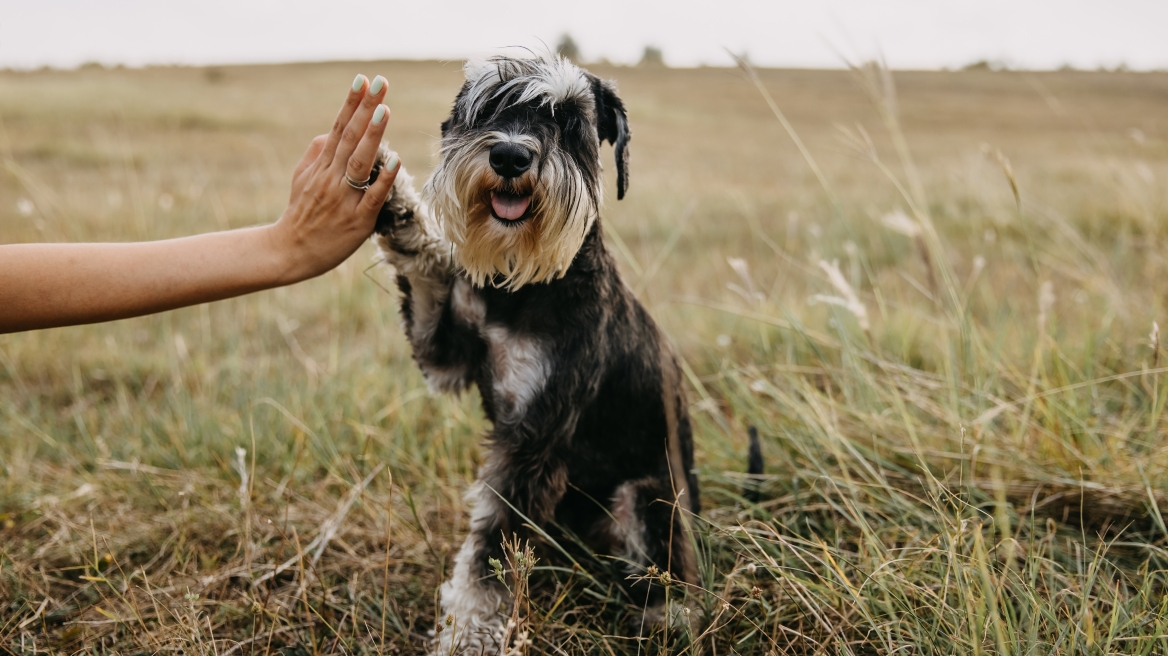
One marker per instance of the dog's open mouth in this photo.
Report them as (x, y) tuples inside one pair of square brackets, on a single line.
[(507, 206)]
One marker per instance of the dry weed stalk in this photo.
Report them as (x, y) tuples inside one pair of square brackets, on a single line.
[(848, 298), (898, 221), (521, 560), (1154, 343)]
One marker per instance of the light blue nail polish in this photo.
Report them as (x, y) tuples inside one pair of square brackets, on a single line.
[(358, 82), (392, 162), (379, 114), (377, 86)]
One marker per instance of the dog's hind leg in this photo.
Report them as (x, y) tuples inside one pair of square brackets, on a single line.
[(444, 342), (654, 537)]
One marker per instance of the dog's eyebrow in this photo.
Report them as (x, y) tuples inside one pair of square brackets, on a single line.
[(514, 81)]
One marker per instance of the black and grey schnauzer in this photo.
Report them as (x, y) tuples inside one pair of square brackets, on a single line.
[(506, 284)]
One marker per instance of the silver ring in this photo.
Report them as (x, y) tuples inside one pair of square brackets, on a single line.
[(358, 185)]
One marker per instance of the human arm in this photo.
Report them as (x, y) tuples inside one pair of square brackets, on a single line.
[(47, 285)]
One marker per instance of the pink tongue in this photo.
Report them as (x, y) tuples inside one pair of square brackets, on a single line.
[(509, 207)]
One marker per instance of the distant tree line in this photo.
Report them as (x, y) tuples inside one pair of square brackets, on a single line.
[(567, 48)]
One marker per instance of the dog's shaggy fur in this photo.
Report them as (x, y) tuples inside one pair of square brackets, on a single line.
[(506, 284)]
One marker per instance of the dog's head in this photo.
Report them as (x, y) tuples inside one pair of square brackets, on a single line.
[(518, 186)]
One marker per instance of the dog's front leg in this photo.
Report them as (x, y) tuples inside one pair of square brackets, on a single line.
[(510, 493), (409, 238), (474, 603)]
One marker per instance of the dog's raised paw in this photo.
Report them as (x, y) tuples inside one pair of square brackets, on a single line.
[(393, 214)]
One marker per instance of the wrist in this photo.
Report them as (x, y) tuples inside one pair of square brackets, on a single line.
[(278, 254)]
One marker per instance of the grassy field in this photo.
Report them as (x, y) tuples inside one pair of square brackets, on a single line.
[(935, 301)]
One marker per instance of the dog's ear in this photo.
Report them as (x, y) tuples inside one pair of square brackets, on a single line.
[(613, 126)]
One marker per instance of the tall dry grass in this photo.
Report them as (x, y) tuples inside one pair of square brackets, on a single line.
[(931, 292)]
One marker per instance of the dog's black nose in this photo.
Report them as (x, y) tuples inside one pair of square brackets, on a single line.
[(510, 160)]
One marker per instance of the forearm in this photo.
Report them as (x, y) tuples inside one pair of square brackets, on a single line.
[(47, 285)]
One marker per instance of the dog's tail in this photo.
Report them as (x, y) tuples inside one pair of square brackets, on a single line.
[(754, 467)]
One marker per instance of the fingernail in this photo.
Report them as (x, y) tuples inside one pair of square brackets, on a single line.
[(392, 162), (358, 82), (377, 86), (379, 114)]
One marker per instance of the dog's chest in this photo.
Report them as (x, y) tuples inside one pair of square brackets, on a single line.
[(518, 363)]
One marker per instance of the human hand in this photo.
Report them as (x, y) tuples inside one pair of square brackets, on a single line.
[(327, 219)]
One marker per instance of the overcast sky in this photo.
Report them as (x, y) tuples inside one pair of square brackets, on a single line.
[(908, 33)]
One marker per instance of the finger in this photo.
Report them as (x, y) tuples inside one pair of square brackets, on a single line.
[(359, 122), (361, 161), (352, 102), (310, 155), (378, 192)]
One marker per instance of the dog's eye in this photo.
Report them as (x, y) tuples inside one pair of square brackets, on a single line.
[(568, 119)]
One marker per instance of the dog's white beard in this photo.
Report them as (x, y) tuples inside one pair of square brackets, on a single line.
[(539, 249)]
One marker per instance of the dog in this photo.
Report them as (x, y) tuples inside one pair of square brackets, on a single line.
[(506, 284)]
